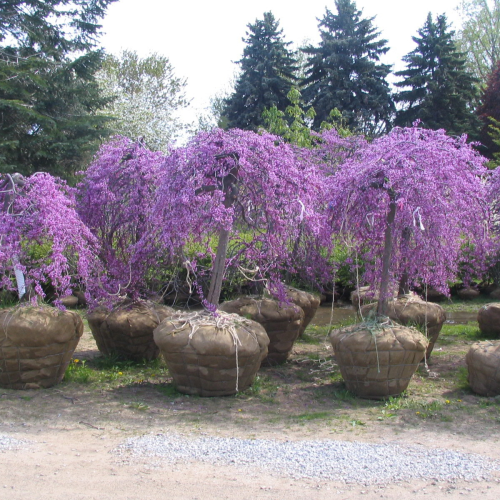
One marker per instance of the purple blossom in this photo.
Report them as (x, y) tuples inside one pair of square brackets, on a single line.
[(42, 236), (115, 197), (436, 185)]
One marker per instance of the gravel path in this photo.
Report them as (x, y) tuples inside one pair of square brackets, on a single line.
[(8, 443), (350, 462)]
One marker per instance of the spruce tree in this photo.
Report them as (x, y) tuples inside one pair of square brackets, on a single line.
[(48, 93), (345, 72), (441, 91), (267, 75)]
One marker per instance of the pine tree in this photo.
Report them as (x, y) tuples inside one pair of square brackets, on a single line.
[(48, 93), (267, 75), (441, 90), (345, 72), (489, 114)]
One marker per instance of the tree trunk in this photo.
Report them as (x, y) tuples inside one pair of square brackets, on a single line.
[(218, 269), (383, 298)]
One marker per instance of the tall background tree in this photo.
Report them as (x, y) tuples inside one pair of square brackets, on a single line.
[(489, 113), (440, 90), (48, 94), (146, 95), (267, 75), (479, 37), (345, 72)]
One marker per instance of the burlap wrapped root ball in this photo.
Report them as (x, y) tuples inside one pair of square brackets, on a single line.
[(127, 330), (483, 364), (282, 323), (211, 355), (377, 362), (488, 318), (308, 302), (412, 310), (36, 346)]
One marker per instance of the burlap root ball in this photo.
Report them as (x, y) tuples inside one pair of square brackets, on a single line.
[(377, 366), (211, 356), (36, 346), (282, 323), (483, 363), (308, 302), (412, 310), (127, 330), (488, 318), (468, 293)]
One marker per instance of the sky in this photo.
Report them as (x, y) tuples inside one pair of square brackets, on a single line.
[(203, 39)]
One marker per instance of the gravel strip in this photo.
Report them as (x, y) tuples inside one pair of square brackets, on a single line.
[(8, 443), (349, 462)]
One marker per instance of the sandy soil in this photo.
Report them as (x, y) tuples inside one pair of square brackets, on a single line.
[(71, 437)]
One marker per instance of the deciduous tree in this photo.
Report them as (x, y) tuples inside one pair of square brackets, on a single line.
[(146, 96)]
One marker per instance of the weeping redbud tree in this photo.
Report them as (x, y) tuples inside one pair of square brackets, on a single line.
[(412, 201), (248, 203), (115, 196), (42, 239)]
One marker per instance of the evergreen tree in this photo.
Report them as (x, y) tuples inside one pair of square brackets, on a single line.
[(489, 113), (441, 90), (345, 72), (267, 75), (48, 93)]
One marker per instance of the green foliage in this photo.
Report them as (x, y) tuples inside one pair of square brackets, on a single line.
[(489, 113), (441, 92), (145, 96), (479, 37), (344, 72), (294, 124), (267, 75), (48, 94)]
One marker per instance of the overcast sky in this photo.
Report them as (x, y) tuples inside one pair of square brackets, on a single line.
[(202, 38)]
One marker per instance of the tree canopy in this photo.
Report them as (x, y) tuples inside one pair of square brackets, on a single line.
[(489, 113), (409, 201), (345, 72), (267, 75), (48, 94), (479, 37), (440, 91), (146, 95)]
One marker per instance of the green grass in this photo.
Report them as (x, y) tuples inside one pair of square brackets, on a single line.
[(110, 370), (316, 415), (457, 305)]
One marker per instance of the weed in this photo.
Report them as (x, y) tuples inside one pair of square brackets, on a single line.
[(78, 372), (344, 395), (169, 390), (136, 405)]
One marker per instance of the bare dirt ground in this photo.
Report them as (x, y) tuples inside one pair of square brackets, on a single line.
[(71, 431)]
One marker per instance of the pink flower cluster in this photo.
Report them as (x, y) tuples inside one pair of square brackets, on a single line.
[(438, 185), (140, 212), (42, 236)]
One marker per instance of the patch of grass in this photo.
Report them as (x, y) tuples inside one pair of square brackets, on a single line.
[(110, 370), (264, 387), (169, 390), (455, 304), (469, 331), (136, 405), (316, 415), (78, 372)]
